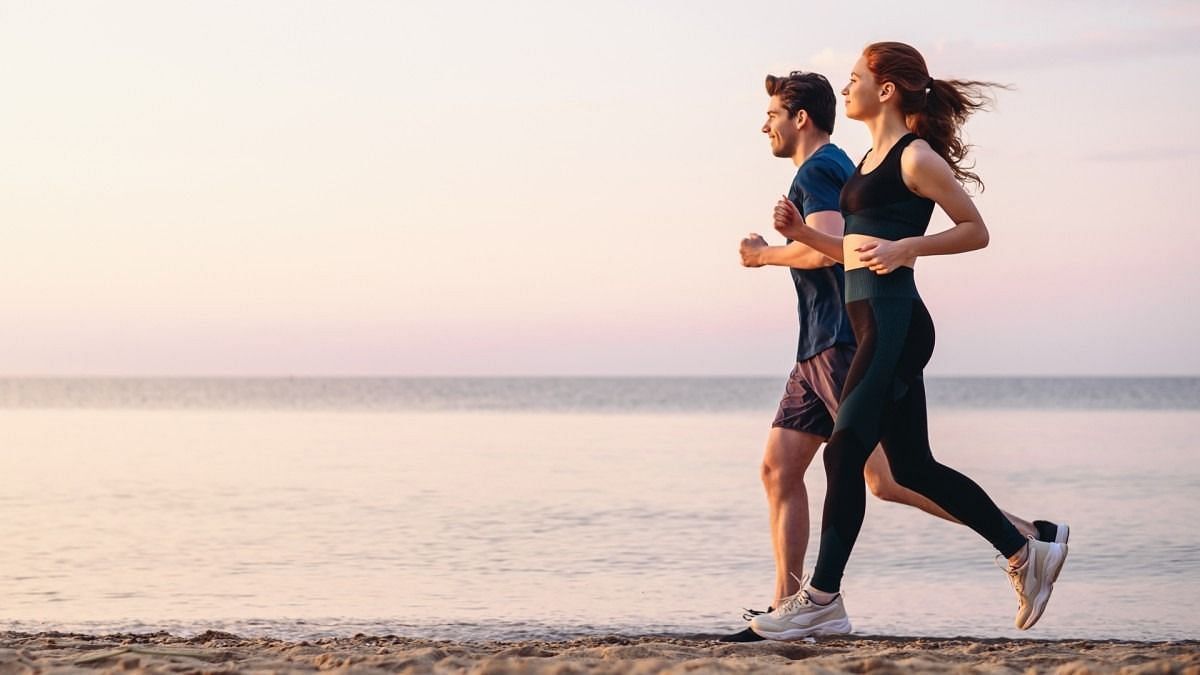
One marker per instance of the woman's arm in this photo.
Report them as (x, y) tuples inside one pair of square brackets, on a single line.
[(928, 175)]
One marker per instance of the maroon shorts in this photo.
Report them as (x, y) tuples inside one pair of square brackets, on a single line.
[(810, 401)]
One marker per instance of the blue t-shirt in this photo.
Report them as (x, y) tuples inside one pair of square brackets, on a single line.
[(820, 292)]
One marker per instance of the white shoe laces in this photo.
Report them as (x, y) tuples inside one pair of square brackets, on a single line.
[(797, 600), (1016, 575)]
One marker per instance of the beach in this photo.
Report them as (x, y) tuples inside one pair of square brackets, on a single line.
[(218, 652)]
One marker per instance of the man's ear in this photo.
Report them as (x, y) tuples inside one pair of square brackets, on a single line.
[(801, 118)]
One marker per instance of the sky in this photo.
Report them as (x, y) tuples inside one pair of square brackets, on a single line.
[(559, 188)]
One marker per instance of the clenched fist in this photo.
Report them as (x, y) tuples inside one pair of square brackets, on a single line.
[(751, 249)]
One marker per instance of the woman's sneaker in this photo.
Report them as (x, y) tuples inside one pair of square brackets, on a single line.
[(1058, 533), (1034, 579), (799, 617)]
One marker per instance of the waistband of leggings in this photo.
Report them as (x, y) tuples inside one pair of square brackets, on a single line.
[(862, 283)]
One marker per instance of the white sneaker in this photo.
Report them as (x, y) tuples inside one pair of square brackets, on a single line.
[(1034, 579), (799, 617), (1058, 533)]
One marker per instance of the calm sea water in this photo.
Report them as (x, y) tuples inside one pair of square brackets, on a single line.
[(509, 508)]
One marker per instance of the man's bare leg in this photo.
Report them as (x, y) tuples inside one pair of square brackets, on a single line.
[(787, 457), (879, 479)]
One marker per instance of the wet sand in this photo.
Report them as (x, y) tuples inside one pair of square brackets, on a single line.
[(215, 652)]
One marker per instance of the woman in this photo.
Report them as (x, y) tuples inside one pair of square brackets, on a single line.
[(915, 162)]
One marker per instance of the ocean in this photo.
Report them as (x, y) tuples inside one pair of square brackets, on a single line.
[(514, 508)]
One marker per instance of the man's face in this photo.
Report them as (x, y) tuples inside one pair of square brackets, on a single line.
[(781, 129)]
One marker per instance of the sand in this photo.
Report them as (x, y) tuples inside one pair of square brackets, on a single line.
[(215, 652)]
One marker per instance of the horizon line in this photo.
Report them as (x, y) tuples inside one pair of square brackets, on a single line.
[(580, 376)]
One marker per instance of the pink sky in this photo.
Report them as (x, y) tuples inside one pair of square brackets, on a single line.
[(388, 189)]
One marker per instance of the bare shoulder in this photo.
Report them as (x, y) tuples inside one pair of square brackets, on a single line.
[(921, 166), (920, 156)]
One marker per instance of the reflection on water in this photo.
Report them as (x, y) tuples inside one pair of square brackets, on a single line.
[(570, 394), (477, 524)]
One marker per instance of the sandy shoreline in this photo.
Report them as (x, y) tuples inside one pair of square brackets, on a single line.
[(215, 652)]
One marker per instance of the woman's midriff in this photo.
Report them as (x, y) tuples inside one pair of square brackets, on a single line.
[(853, 241)]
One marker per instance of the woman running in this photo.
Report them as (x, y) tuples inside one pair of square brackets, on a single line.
[(915, 161)]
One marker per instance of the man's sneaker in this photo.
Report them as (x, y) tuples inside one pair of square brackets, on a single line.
[(749, 614), (799, 617), (1058, 533), (744, 635), (1034, 579)]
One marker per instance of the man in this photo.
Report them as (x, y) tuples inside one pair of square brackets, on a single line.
[(800, 118)]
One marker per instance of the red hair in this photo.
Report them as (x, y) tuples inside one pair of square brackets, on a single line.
[(933, 109)]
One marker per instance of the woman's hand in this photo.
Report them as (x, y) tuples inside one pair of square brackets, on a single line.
[(882, 256)]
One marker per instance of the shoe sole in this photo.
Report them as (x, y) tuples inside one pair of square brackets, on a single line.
[(1054, 567), (743, 636), (834, 627)]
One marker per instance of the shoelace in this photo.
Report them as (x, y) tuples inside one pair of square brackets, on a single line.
[(796, 600), (1014, 574), (749, 614)]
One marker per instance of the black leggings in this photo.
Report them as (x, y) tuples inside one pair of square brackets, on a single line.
[(883, 400)]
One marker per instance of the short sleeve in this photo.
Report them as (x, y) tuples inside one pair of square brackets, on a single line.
[(821, 184)]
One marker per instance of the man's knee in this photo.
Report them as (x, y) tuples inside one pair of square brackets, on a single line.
[(887, 482), (787, 457), (781, 473), (883, 486)]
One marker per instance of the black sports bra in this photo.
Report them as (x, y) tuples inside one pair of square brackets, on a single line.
[(879, 204)]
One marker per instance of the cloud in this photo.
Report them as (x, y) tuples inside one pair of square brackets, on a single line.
[(1090, 49), (1144, 155), (830, 61), (949, 58), (1180, 9)]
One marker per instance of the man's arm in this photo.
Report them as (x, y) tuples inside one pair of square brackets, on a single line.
[(757, 253), (821, 231)]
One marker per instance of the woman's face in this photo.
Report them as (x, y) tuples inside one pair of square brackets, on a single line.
[(861, 93)]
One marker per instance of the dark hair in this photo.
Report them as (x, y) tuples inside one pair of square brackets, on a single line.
[(810, 92), (935, 110)]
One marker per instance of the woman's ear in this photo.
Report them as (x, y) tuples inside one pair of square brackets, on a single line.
[(886, 91)]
